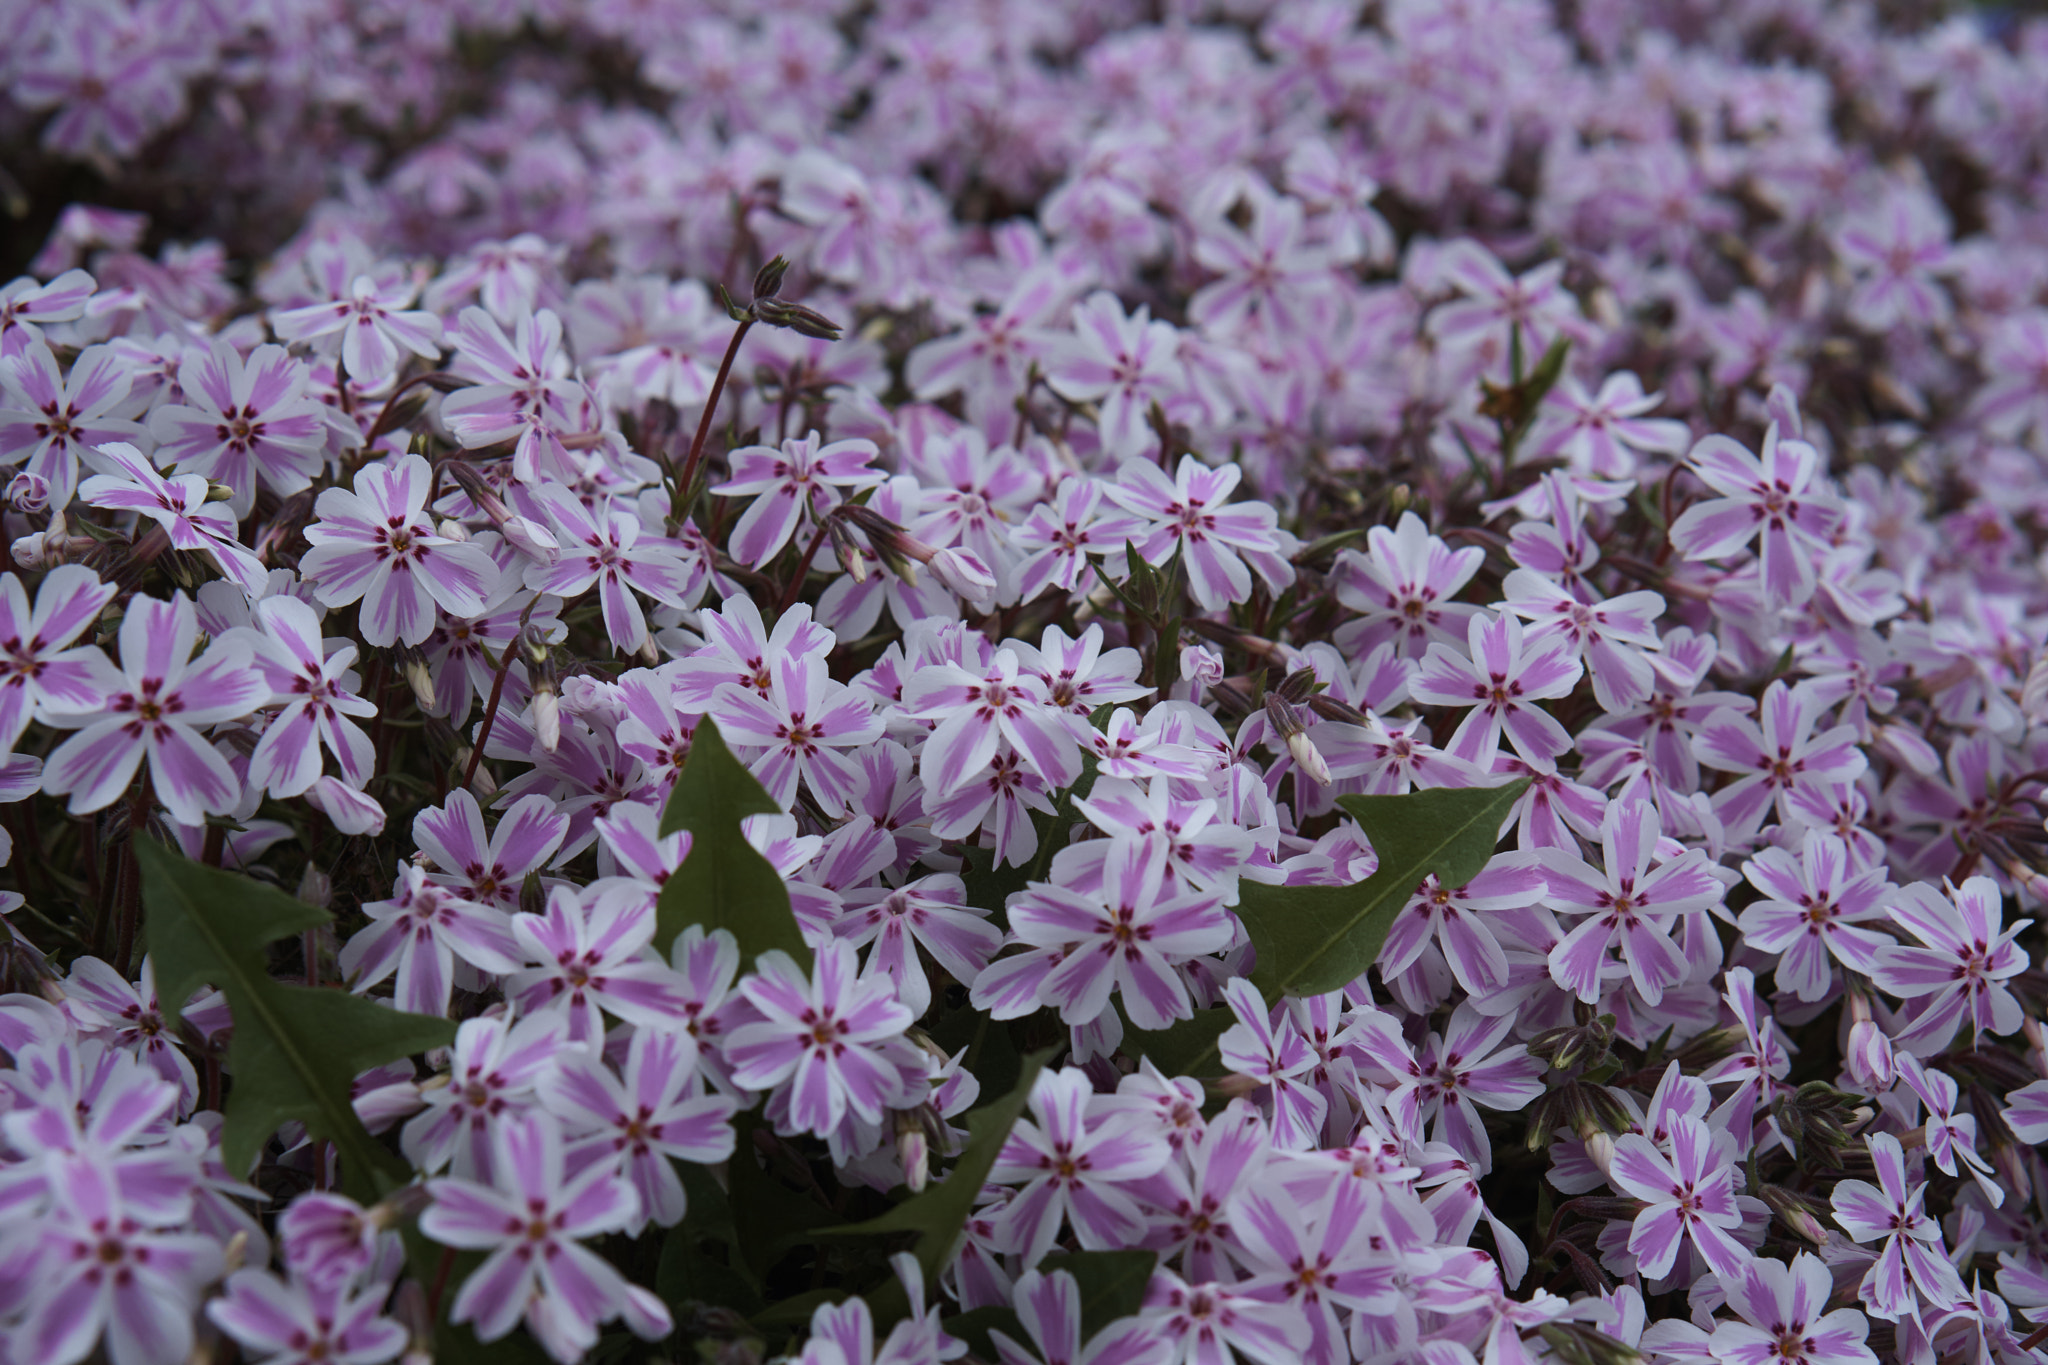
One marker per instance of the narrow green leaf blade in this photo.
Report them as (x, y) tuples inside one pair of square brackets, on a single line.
[(295, 1051), (1112, 1283), (939, 1215), (1315, 939), (723, 883)]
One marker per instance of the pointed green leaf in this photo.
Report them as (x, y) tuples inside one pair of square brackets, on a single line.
[(974, 1326), (939, 1215), (295, 1051), (1315, 939), (723, 883), (1112, 1283), (1187, 1047)]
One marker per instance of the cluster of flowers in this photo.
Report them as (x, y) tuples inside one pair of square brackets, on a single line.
[(1225, 427)]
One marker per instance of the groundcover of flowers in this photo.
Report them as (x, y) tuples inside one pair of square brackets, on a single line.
[(1042, 682)]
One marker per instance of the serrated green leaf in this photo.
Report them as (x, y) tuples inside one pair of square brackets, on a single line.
[(1187, 1047), (724, 883), (295, 1051), (1316, 939), (1112, 1283), (939, 1215)]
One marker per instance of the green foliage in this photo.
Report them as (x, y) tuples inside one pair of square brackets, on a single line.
[(724, 883), (1188, 1047), (1112, 1283), (1315, 939), (295, 1050), (939, 1215)]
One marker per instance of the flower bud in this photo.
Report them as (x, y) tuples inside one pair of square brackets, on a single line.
[(546, 714), (451, 529), (219, 492), (915, 1150), (1869, 1056), (29, 493), (1600, 1151), (768, 279), (1287, 719), (316, 888), (1201, 665), (1794, 1214), (965, 576)]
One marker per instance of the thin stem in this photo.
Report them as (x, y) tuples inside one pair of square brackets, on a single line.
[(483, 733), (131, 886), (696, 454), (803, 567)]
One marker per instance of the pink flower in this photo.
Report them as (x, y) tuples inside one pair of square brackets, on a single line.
[(243, 423), (99, 1267), (418, 934), (802, 479), (1610, 637), (1913, 1257), (1504, 677), (1059, 539), (1206, 1322), (1815, 906), (1402, 587), (1075, 1164), (376, 326), (156, 708), (378, 544), (1191, 516), (642, 1120), (297, 1323), (1785, 1318), (493, 1070), (930, 913), (1458, 919), (1273, 1052), (1634, 897), (803, 726), (1783, 759), (978, 713), (1963, 966), (317, 689), (1049, 1309), (1123, 363), (51, 420), (1775, 494), (832, 1045), (530, 1219), (592, 951), (1127, 937), (606, 547), (38, 675), (128, 482), (1690, 1194), (488, 871)]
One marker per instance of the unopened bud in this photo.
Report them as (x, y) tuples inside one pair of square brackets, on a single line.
[(797, 318), (1600, 1151), (1869, 1057), (965, 576), (316, 888), (546, 714), (235, 1253), (451, 529), (418, 676), (1287, 719), (219, 492), (768, 279), (533, 897), (915, 1150), (29, 493), (1792, 1211)]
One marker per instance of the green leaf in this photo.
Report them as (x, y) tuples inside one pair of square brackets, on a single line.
[(939, 1215), (723, 883), (295, 1051), (687, 1271), (1315, 939), (973, 1327), (1112, 1283), (774, 1216), (1188, 1047)]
